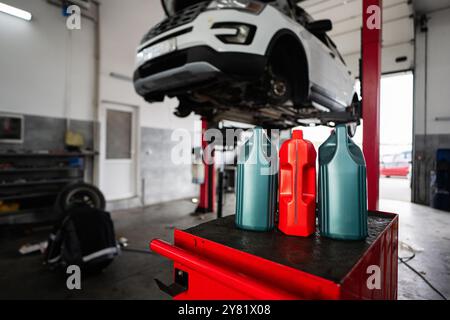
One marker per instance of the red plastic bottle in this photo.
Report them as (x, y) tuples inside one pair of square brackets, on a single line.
[(297, 188)]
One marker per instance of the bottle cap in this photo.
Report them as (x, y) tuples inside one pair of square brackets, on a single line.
[(297, 134)]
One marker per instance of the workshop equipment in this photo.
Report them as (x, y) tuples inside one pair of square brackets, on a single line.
[(215, 260), (440, 181), (297, 187), (370, 74), (342, 188), (32, 184), (84, 237), (207, 195), (257, 175)]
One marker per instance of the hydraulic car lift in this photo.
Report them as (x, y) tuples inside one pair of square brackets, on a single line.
[(208, 188), (215, 260), (371, 76)]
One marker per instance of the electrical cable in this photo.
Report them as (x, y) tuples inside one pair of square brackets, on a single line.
[(134, 250), (405, 262), (407, 259)]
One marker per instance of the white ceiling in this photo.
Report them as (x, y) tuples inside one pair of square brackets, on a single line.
[(398, 30)]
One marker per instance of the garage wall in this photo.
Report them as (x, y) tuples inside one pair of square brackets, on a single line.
[(432, 100), (43, 66), (122, 26), (47, 75)]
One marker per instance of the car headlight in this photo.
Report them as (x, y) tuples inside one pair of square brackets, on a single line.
[(244, 33), (244, 5)]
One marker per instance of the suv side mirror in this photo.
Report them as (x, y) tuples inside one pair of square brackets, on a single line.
[(320, 26)]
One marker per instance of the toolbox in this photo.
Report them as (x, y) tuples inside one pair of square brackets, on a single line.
[(215, 260)]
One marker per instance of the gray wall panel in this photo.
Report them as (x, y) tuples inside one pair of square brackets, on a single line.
[(47, 133), (163, 180)]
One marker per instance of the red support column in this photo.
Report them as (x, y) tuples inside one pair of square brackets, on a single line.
[(207, 189), (371, 77)]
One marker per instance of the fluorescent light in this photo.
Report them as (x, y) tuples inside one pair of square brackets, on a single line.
[(19, 13)]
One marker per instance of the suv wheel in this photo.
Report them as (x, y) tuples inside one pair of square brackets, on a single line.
[(279, 86)]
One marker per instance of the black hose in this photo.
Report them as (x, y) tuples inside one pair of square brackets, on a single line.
[(137, 250), (405, 262)]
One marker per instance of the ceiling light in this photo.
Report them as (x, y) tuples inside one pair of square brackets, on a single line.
[(19, 13)]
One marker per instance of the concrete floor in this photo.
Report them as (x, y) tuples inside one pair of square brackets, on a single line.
[(395, 188), (131, 275)]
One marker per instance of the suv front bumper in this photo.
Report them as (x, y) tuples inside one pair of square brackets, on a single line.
[(184, 69)]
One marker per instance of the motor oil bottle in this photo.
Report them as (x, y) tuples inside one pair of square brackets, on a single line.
[(256, 183), (297, 186), (342, 188)]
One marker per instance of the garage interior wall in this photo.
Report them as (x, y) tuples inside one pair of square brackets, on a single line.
[(62, 86), (431, 102), (47, 76)]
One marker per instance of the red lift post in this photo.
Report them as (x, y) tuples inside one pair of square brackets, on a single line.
[(207, 189), (371, 77)]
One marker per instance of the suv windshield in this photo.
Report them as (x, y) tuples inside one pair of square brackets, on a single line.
[(173, 6)]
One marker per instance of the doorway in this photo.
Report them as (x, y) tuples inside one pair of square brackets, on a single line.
[(119, 174), (396, 136)]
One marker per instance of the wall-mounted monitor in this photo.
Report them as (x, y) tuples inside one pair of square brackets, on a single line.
[(11, 128)]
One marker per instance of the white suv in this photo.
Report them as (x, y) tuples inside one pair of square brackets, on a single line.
[(261, 62)]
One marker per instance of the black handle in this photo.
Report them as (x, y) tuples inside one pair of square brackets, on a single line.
[(172, 290), (181, 284)]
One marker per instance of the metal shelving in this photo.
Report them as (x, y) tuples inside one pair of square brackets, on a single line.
[(32, 181)]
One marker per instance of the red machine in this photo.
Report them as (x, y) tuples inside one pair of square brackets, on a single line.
[(297, 188), (215, 260)]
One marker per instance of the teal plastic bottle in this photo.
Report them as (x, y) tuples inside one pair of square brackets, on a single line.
[(256, 183), (342, 188)]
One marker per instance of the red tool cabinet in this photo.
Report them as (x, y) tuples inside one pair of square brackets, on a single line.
[(215, 260)]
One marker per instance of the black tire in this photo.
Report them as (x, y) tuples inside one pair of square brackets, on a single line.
[(79, 194), (279, 76), (287, 62)]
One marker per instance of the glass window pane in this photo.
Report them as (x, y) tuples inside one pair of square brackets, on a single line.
[(118, 134)]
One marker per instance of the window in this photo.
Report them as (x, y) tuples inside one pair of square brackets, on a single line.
[(118, 134), (333, 48)]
